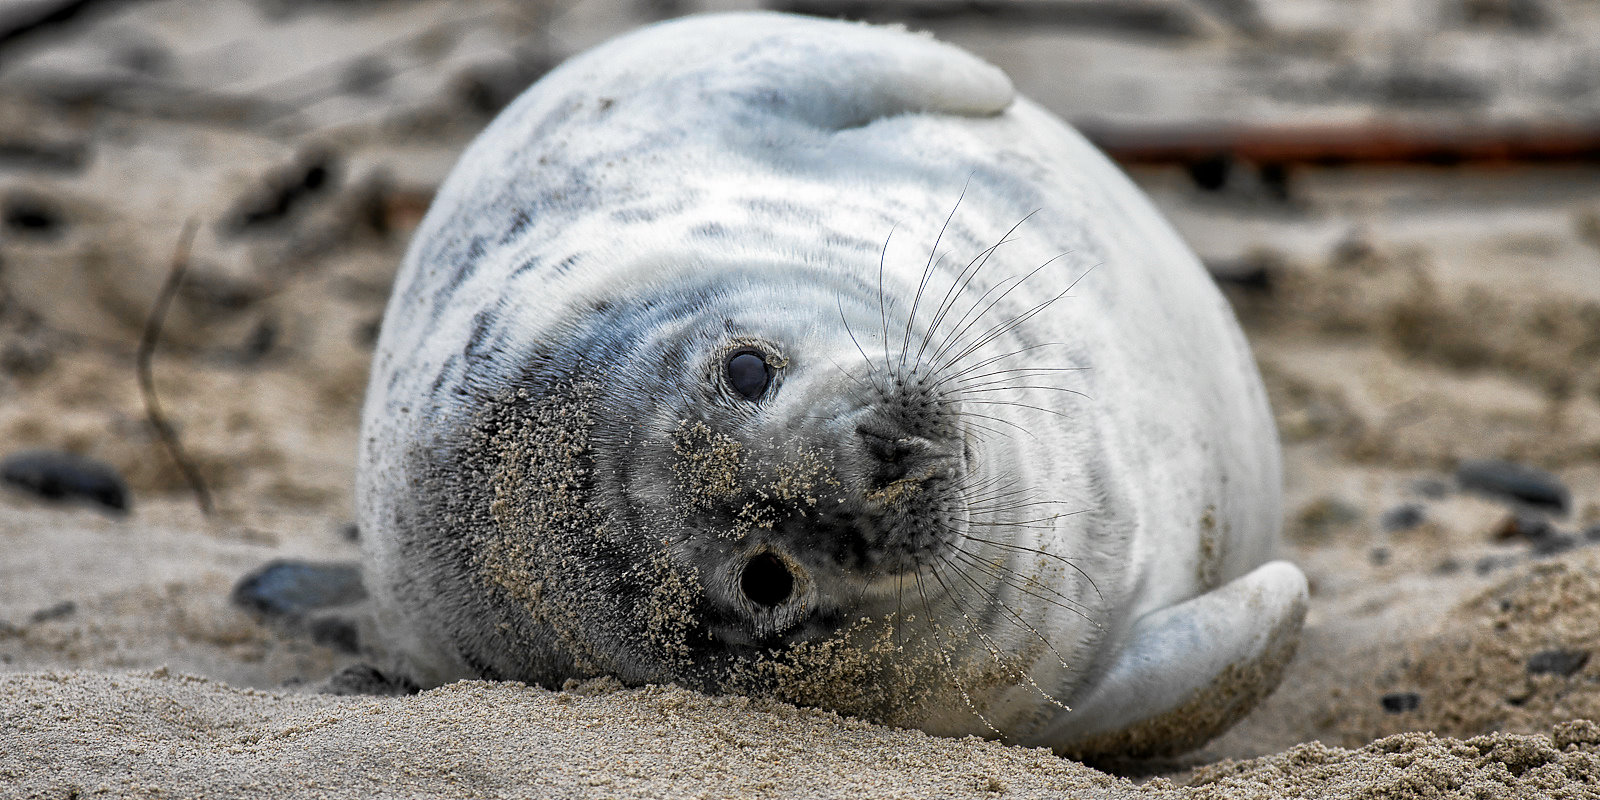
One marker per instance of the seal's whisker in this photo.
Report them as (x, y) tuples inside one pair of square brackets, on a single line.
[(1005, 327), (1009, 506), (1016, 373), (952, 294), (958, 285), (984, 434), (965, 324), (1019, 320), (1017, 618), (857, 343), (899, 614), (992, 359), (994, 496), (1061, 601), (927, 273), (1001, 386), (967, 418), (1055, 412), (967, 318), (883, 311), (1063, 559), (988, 641), (905, 338), (944, 655), (1018, 525), (992, 384), (980, 426)]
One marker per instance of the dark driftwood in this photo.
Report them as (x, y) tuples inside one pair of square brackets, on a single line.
[(147, 382)]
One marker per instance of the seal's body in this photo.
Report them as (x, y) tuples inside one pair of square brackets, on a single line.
[(802, 358)]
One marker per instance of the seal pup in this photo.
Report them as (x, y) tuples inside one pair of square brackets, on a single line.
[(804, 359)]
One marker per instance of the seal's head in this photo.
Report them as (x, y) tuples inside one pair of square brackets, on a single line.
[(698, 474)]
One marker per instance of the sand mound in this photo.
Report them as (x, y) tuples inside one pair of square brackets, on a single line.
[(84, 734)]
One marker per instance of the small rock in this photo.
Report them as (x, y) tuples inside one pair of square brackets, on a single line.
[(61, 610), (1557, 662), (1489, 564), (290, 589), (1321, 517), (1431, 488), (1554, 544), (1591, 534), (1530, 527), (1401, 702), (350, 532), (336, 632), (1508, 481), (1402, 518), (1379, 556), (1211, 173), (56, 475), (31, 216)]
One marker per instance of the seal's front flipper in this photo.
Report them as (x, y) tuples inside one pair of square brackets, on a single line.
[(1190, 670)]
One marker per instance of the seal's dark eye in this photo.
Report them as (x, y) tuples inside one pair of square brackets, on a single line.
[(748, 374)]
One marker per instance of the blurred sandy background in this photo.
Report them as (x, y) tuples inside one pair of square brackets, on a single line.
[(1408, 319)]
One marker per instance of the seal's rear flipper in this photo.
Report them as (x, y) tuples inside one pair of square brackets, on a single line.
[(816, 72), (1189, 671)]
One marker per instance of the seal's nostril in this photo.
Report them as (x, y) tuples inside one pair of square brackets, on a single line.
[(766, 581)]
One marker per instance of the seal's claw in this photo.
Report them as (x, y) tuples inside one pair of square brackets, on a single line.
[(1189, 671)]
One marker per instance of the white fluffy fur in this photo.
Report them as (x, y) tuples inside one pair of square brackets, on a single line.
[(868, 128)]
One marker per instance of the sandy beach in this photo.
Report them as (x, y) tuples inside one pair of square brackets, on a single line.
[(1413, 324)]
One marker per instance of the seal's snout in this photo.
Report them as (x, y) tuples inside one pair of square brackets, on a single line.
[(766, 582), (898, 456)]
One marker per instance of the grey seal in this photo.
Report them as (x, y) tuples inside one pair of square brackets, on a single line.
[(804, 359)]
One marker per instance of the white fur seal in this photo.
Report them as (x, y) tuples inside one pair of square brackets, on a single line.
[(775, 355)]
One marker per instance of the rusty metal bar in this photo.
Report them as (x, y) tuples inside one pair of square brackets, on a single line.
[(1355, 143)]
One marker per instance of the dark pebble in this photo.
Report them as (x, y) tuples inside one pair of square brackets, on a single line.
[(32, 216), (1275, 181), (1379, 556), (290, 589), (1489, 564), (1211, 173), (1508, 481), (61, 610), (1401, 702), (350, 532), (1591, 534), (336, 632), (1531, 527), (1554, 544), (1402, 518), (1557, 662), (284, 192), (366, 679), (1431, 488), (55, 475)]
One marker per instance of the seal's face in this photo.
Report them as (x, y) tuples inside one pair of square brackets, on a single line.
[(786, 469), (760, 477)]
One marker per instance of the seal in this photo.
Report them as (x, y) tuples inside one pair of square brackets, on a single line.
[(804, 359)]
